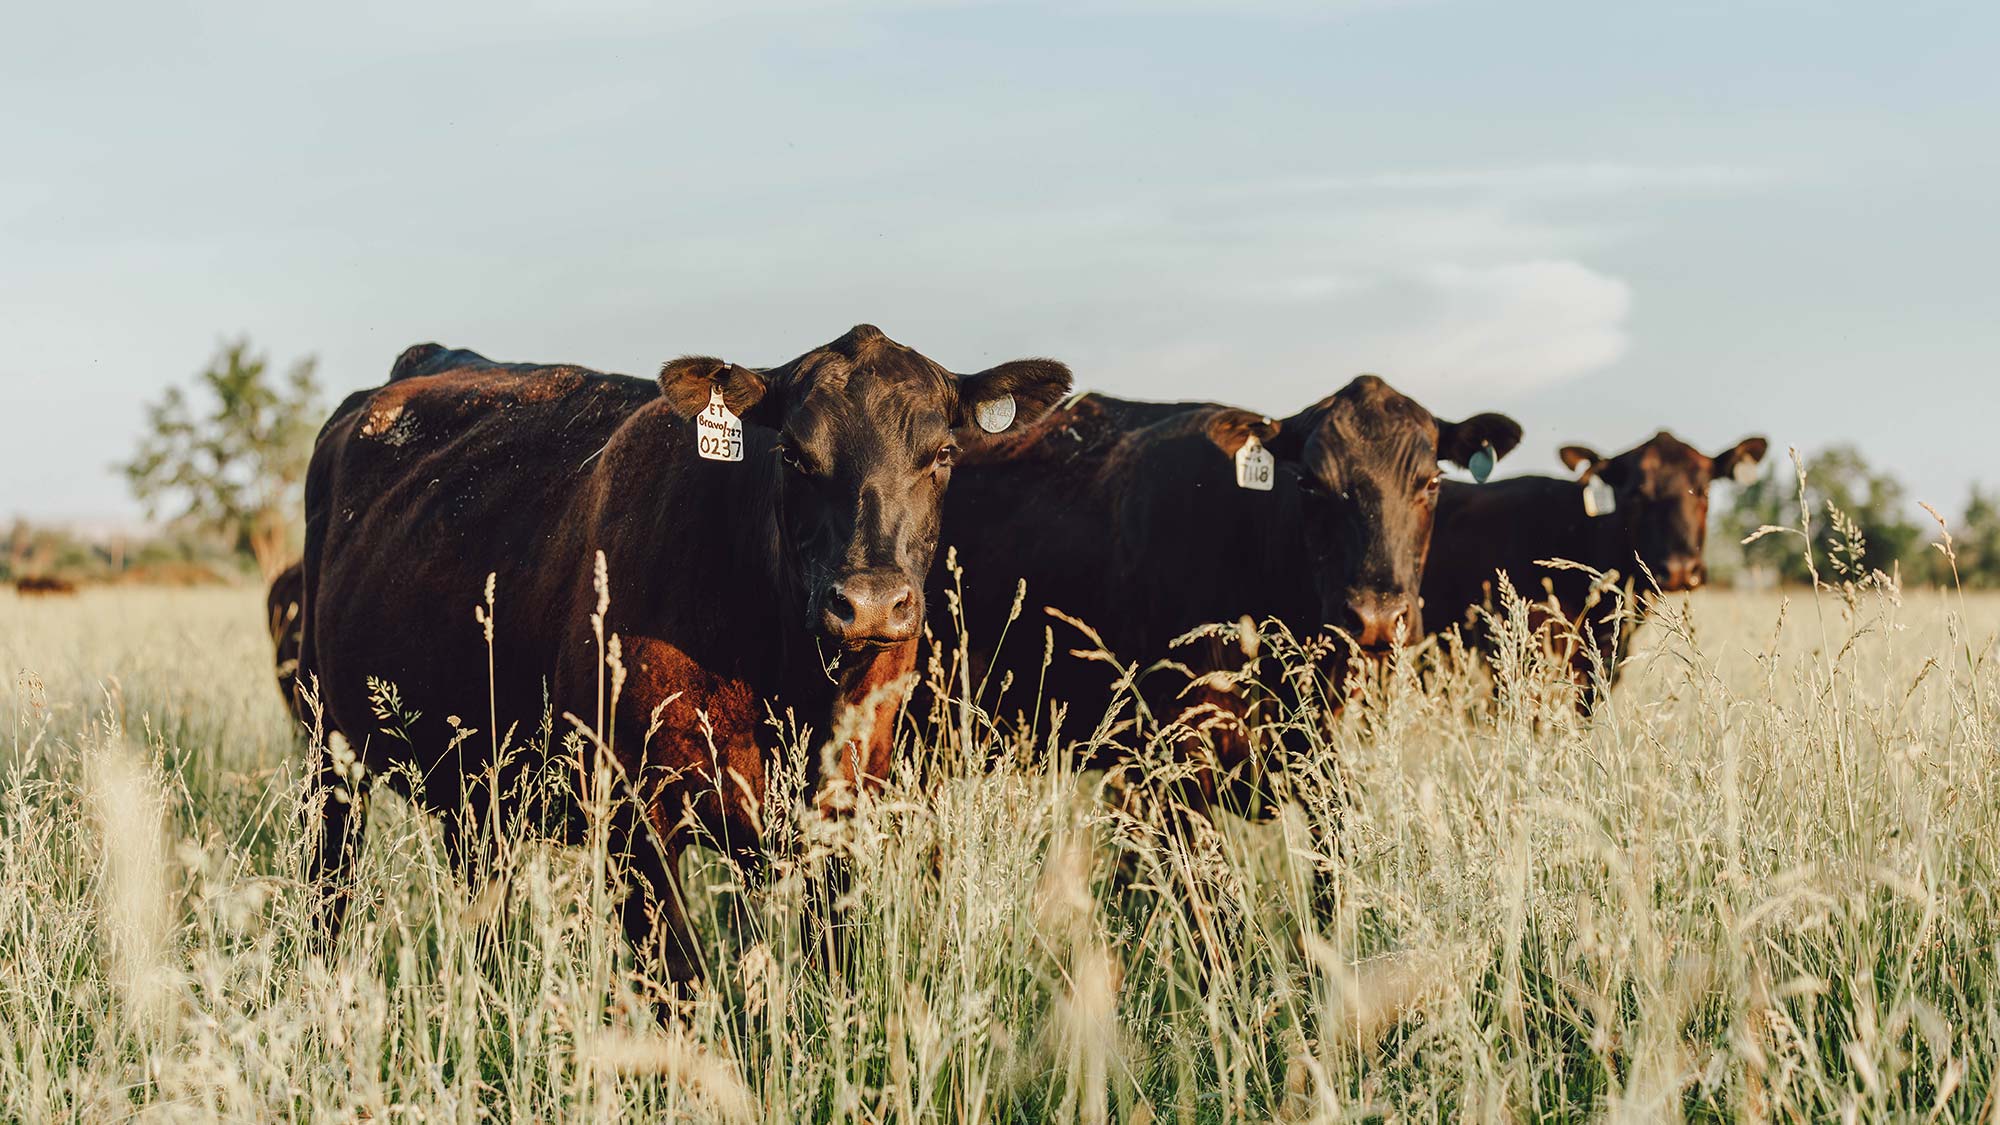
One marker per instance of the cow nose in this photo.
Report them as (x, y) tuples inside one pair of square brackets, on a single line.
[(871, 607), (1376, 617), (1685, 573)]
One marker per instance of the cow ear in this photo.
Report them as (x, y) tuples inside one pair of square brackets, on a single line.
[(1459, 441), (1011, 397), (1739, 461), (1576, 457), (687, 382), (1229, 429)]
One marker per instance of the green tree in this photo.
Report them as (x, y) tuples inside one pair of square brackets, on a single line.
[(1976, 539), (1838, 479), (233, 466)]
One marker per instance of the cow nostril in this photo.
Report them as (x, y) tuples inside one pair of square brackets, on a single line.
[(872, 607), (1376, 619)]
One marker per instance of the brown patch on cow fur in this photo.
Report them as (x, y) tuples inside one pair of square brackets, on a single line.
[(392, 425), (391, 418), (862, 750), (551, 384), (704, 748)]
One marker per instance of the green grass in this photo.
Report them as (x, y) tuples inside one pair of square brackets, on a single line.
[(1761, 886)]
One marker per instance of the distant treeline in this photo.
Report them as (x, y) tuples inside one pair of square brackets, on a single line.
[(222, 466), (1862, 520), (167, 558)]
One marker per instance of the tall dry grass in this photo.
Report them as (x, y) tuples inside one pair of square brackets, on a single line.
[(1759, 886)]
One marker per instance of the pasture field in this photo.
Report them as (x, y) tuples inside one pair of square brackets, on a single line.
[(1760, 886)]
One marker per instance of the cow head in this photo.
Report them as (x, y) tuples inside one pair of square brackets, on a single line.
[(858, 439), (1367, 461), (1662, 499)]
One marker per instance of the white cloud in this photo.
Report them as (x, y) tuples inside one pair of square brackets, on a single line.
[(1518, 325), (1300, 289), (1536, 181)]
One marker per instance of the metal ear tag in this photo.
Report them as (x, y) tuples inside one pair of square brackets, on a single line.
[(1745, 471), (718, 431), (995, 414), (1481, 463), (1599, 498), (1256, 469)]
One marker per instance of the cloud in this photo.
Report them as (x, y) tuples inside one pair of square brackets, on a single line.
[(1454, 335), (1474, 279), (1534, 181), (1517, 325)]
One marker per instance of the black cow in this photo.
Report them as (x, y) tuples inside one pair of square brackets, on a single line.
[(1129, 517), (1649, 526), (787, 581)]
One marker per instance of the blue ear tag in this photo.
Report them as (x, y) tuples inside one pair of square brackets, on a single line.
[(1481, 463)]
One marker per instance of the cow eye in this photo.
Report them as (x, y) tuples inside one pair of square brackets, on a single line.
[(1432, 485), (947, 456), (790, 455)]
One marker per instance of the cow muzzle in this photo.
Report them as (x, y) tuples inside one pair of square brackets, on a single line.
[(1374, 619), (1684, 572), (870, 609)]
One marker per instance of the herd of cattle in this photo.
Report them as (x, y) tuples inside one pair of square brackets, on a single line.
[(669, 566)]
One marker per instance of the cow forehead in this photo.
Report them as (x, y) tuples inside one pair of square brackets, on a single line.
[(1666, 457), (872, 405), (1372, 428), (1669, 450)]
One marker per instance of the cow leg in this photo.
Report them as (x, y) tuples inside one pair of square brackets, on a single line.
[(1187, 816), (653, 910), (827, 932), (1588, 694), (472, 847), (334, 819), (1327, 842), (1183, 813), (1610, 638), (1166, 806), (753, 869)]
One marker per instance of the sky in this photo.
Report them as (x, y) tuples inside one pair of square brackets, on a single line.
[(1603, 219)]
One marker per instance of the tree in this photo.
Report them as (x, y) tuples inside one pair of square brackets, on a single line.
[(1976, 540), (1838, 479), (235, 469)]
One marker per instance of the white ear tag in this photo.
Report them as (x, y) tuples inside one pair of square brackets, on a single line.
[(1480, 465), (995, 414), (1256, 469), (1745, 471), (718, 432), (1599, 498)]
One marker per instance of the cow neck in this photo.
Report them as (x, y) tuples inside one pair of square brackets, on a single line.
[(1252, 568), (1614, 541), (709, 552), (1602, 543), (855, 704)]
